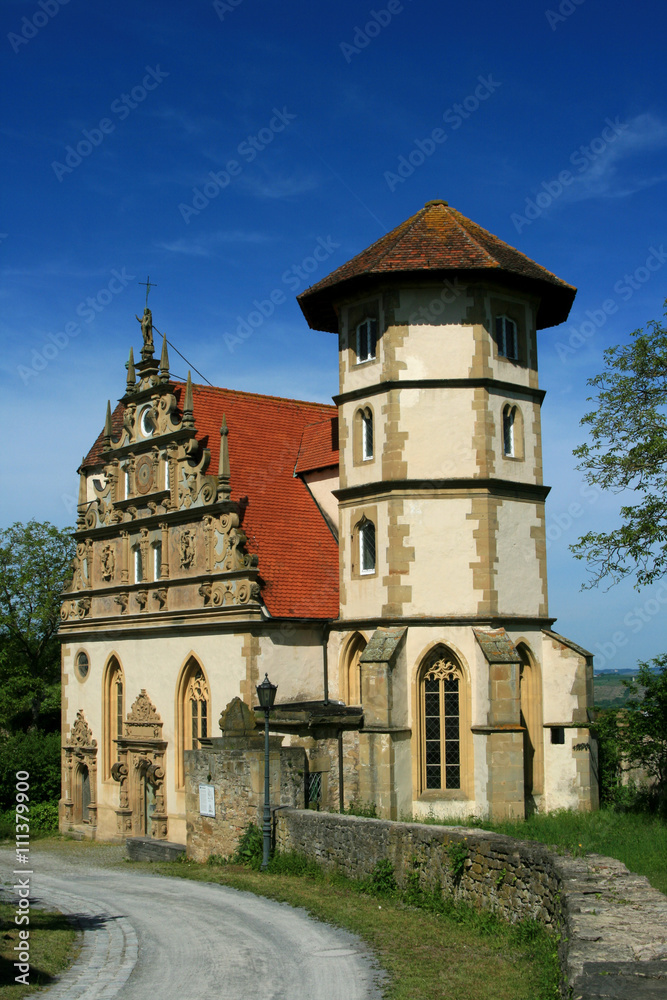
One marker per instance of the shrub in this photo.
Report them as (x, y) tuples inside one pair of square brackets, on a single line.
[(250, 847), (36, 752), (365, 809), (382, 880)]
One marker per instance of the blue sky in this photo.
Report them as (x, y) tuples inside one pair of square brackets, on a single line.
[(215, 146)]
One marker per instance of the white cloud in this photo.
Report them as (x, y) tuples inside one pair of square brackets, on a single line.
[(613, 172), (205, 245)]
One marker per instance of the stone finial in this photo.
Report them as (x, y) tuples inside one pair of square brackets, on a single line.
[(83, 494), (237, 719), (164, 361), (223, 463), (106, 437), (188, 408), (131, 374)]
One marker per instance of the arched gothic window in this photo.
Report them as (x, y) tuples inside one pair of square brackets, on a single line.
[(114, 712), (351, 670), (444, 733), (193, 713)]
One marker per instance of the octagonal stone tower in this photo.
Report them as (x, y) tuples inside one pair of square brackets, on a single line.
[(442, 524)]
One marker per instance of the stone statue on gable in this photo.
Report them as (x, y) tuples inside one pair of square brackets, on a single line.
[(147, 330)]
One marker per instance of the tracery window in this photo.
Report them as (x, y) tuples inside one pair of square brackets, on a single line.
[(193, 713), (441, 693)]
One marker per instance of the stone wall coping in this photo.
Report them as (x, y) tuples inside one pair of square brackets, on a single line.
[(611, 921)]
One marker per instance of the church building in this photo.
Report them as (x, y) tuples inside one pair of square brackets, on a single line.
[(387, 552)]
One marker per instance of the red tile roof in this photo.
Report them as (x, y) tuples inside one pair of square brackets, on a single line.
[(439, 240), (319, 447), (298, 555)]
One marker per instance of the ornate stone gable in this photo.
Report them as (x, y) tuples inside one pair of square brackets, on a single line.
[(81, 734), (157, 532), (143, 719)]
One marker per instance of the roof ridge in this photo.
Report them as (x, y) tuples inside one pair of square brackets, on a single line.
[(466, 232), (197, 386)]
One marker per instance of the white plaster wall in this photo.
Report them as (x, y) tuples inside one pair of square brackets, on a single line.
[(440, 424), (517, 577), (440, 344), (440, 575), (292, 657), (321, 483)]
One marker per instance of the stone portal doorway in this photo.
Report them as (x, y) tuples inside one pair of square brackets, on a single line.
[(140, 771)]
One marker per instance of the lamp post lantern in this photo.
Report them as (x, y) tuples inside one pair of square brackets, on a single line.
[(266, 693)]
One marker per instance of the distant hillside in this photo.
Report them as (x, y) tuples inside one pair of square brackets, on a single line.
[(610, 692)]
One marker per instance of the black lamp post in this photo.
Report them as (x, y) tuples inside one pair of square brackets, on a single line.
[(266, 693)]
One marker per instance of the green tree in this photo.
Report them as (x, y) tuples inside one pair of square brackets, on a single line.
[(628, 452), (643, 724), (35, 562)]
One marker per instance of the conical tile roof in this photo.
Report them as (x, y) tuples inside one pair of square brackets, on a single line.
[(439, 242)]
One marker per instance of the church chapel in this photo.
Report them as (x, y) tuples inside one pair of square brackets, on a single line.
[(385, 554)]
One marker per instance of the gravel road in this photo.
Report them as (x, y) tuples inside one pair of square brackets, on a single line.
[(148, 935)]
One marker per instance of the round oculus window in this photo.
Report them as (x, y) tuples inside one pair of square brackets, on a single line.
[(147, 422), (143, 474), (82, 665)]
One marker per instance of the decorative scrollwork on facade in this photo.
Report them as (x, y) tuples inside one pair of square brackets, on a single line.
[(142, 599), (231, 539)]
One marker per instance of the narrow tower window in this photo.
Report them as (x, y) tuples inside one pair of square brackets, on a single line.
[(366, 339), (367, 547), (138, 566), (366, 435), (509, 412), (506, 337)]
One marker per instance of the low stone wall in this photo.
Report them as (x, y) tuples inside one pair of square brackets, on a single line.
[(236, 771), (612, 923)]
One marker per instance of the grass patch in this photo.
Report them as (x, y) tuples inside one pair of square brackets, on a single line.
[(431, 948), (638, 839), (53, 948)]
